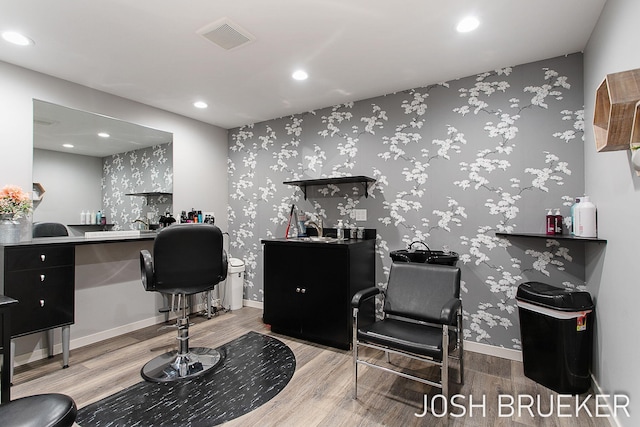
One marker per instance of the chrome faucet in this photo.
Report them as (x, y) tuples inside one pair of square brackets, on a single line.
[(315, 225), (143, 222)]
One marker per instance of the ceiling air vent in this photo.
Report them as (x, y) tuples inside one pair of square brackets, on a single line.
[(226, 34)]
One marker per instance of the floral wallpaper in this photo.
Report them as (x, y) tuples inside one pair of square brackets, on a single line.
[(144, 170), (454, 163)]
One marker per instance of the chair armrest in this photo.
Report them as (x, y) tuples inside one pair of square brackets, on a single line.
[(225, 266), (146, 270), (449, 310), (364, 294)]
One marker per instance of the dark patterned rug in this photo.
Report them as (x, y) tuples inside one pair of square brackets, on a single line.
[(255, 368)]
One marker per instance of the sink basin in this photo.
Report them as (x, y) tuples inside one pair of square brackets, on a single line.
[(325, 239)]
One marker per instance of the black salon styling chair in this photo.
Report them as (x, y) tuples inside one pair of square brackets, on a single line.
[(422, 320), (49, 229), (41, 410), (187, 259)]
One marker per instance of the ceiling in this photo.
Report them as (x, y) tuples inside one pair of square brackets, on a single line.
[(150, 50)]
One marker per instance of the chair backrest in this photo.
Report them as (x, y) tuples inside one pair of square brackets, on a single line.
[(188, 258), (49, 229), (418, 291)]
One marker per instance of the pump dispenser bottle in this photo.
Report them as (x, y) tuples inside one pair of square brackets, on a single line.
[(558, 222), (340, 230), (551, 223)]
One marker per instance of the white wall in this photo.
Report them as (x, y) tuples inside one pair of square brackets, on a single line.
[(71, 183), (615, 188), (200, 181)]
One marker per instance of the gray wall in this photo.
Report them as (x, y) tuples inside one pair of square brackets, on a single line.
[(71, 183), (454, 163), (613, 276)]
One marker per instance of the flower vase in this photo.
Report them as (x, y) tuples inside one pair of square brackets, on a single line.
[(9, 230)]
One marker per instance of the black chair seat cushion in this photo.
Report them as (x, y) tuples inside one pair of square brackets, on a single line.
[(42, 410), (415, 338)]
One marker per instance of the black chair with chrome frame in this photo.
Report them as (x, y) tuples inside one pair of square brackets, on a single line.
[(187, 259), (49, 229), (422, 320)]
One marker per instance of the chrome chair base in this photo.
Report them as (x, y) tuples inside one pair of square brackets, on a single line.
[(177, 367)]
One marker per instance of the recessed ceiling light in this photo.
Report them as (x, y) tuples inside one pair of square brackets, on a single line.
[(300, 75), (469, 23), (200, 104), (17, 38), (67, 145), (103, 135)]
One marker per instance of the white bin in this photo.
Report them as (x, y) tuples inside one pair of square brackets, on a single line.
[(235, 282)]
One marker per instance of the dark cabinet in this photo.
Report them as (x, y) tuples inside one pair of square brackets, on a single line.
[(42, 279), (308, 287)]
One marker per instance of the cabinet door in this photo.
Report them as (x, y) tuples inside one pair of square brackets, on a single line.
[(282, 273), (325, 317)]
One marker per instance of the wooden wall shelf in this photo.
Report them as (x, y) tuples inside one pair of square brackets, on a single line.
[(615, 106)]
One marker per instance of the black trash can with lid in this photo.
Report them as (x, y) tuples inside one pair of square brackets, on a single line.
[(556, 328)]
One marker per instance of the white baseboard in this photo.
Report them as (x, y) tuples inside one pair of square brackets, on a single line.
[(504, 353), (613, 421), (254, 304), (42, 353)]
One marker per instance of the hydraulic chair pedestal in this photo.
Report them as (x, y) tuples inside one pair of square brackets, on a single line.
[(184, 363)]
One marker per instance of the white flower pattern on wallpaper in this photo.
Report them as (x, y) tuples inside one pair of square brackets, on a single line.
[(454, 163), (143, 170)]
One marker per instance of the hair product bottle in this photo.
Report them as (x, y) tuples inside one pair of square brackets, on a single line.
[(586, 218)]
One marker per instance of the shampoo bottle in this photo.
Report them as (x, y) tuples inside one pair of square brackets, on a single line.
[(558, 222), (340, 230), (573, 215), (551, 223), (586, 218)]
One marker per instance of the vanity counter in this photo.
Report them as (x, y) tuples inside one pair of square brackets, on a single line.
[(81, 240), (89, 287)]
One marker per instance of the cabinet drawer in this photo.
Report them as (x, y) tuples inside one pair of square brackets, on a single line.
[(45, 298), (38, 257), (33, 281)]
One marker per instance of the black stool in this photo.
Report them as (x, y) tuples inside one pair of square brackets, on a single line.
[(42, 410)]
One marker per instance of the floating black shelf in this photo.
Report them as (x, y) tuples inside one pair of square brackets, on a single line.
[(304, 183), (150, 193), (555, 236)]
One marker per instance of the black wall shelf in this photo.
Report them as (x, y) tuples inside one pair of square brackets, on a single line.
[(549, 236), (365, 181), (150, 193)]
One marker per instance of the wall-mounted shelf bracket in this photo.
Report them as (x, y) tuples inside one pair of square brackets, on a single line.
[(365, 181)]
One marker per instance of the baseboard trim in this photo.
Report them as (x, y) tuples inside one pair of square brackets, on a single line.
[(42, 353), (490, 350), (613, 421), (254, 304)]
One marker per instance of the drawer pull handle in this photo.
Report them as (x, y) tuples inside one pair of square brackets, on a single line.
[(298, 290), (42, 277), (41, 303), (43, 257), (303, 290)]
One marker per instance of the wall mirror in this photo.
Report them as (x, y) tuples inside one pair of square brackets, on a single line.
[(87, 162)]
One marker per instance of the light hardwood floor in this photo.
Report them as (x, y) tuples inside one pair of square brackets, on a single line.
[(320, 392)]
